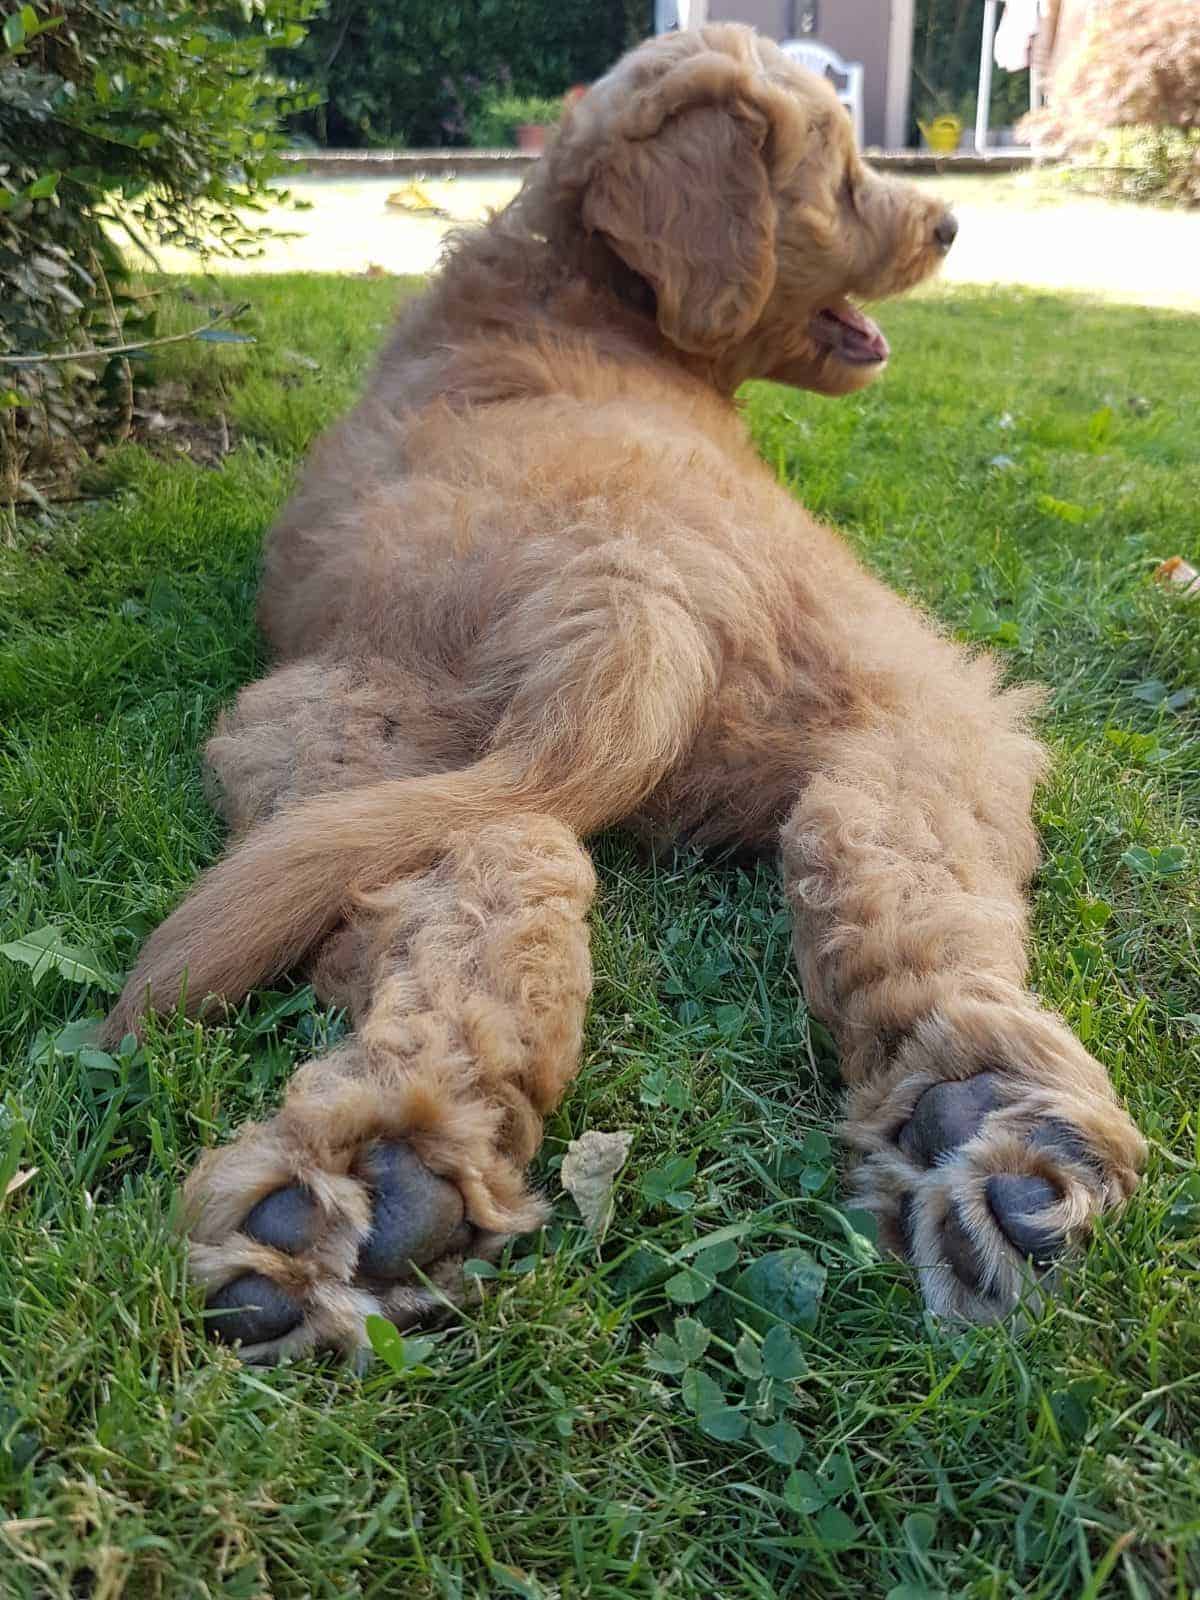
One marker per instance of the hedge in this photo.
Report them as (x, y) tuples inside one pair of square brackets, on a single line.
[(405, 72)]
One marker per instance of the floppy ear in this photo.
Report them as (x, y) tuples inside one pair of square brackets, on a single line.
[(688, 207)]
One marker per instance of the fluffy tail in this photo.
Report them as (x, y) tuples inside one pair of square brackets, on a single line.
[(260, 909)]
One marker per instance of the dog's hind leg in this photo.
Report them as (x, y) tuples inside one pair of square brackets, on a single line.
[(987, 1136), (403, 1151), (600, 677), (317, 727)]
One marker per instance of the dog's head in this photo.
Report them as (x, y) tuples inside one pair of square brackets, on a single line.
[(725, 178)]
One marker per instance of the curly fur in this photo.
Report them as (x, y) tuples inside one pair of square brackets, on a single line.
[(538, 583)]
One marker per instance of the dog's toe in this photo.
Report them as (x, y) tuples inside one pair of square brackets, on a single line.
[(1063, 1142), (946, 1116), (987, 1161), (416, 1215), (310, 1260), (1015, 1201), (287, 1220), (252, 1310), (982, 1204)]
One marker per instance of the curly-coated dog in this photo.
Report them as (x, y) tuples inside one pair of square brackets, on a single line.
[(538, 583)]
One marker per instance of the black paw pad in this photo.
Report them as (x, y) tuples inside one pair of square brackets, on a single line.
[(415, 1213), (1014, 1200), (1060, 1139), (251, 1310), (287, 1220), (946, 1116)]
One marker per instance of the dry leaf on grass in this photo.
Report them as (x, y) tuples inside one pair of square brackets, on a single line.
[(1181, 572), (589, 1171), (19, 1180)]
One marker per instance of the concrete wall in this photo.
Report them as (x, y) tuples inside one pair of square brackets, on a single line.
[(768, 16), (874, 32)]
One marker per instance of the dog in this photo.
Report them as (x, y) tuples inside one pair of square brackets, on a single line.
[(538, 583)]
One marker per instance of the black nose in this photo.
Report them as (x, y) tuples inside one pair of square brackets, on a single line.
[(946, 231)]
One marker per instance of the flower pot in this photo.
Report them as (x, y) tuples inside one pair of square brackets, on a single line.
[(531, 137)]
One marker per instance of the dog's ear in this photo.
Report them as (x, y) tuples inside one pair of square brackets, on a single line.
[(682, 195)]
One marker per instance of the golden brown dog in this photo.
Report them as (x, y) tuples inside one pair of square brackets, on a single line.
[(538, 583)]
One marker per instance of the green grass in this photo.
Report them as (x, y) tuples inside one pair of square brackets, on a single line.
[(547, 1444)]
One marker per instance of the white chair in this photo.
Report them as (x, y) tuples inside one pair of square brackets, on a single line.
[(847, 75)]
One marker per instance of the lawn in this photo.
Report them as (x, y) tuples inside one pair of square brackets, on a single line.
[(598, 1426)]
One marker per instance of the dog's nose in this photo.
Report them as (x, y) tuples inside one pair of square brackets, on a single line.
[(946, 231)]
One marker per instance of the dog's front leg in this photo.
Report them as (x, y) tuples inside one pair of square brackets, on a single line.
[(986, 1137)]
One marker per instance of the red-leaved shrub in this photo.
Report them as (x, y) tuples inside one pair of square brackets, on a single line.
[(1127, 101)]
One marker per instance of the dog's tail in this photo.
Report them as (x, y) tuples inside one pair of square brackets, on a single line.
[(260, 909)]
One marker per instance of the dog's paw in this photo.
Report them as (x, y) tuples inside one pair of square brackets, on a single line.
[(294, 1256), (985, 1181), (998, 1192)]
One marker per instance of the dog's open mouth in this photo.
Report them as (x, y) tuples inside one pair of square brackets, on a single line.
[(844, 331)]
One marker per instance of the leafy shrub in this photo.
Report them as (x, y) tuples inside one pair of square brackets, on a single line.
[(157, 123), (396, 72), (1141, 163), (1126, 104), (494, 125)]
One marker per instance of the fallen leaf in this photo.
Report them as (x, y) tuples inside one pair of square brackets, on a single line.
[(413, 199), (1178, 571), (20, 1179), (589, 1171)]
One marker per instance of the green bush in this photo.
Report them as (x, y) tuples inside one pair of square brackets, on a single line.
[(404, 72), (155, 122), (495, 123), (1144, 163)]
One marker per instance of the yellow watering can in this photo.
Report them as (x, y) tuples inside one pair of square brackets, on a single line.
[(942, 134)]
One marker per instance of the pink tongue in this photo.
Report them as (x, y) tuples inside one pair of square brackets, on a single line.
[(867, 334)]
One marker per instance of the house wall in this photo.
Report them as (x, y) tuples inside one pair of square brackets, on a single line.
[(876, 32)]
